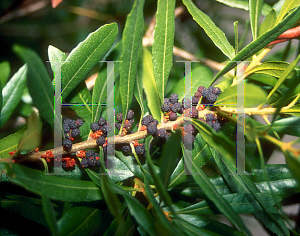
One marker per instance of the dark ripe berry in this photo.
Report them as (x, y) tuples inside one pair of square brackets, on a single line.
[(176, 107), (205, 92), (91, 161), (166, 100), (195, 100), (147, 120), (172, 116), (73, 124), (118, 125), (209, 117), (140, 150), (216, 126), (131, 121), (66, 128), (106, 128), (66, 121), (198, 95), (95, 126), (100, 141), (126, 148), (155, 122), (68, 135), (102, 121), (84, 163), (210, 89), (64, 165), (186, 102), (75, 133), (216, 91), (89, 153), (173, 98), (166, 107), (130, 115), (152, 128), (200, 89), (188, 138), (194, 113), (97, 159), (119, 117), (79, 122), (190, 129), (67, 145), (127, 126), (211, 98), (163, 135), (209, 123)]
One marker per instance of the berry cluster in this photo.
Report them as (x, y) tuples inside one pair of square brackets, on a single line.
[(90, 159), (171, 107), (128, 122), (138, 147), (71, 130)]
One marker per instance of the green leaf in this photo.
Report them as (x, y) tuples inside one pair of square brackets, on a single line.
[(124, 228), (85, 56), (99, 95), (159, 185), (137, 210), (273, 68), (111, 199), (163, 224), (201, 75), (216, 35), (192, 230), (10, 143), (210, 191), (268, 22), (12, 93), (32, 137), (138, 91), (25, 209), (254, 95), (5, 71), (238, 183), (236, 36), (130, 44), (239, 202), (293, 162), (49, 215), (287, 6), (169, 158), (54, 187), (294, 110), (244, 4), (150, 86), (255, 7), (162, 50), (284, 76), (55, 55), (201, 154), (84, 220), (38, 82), (261, 41), (290, 125)]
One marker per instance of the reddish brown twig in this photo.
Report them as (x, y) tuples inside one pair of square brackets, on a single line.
[(287, 35)]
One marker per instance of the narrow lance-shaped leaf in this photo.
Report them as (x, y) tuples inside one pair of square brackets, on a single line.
[(10, 143), (162, 50), (150, 86), (53, 187), (130, 44), (38, 82), (261, 41), (216, 35), (49, 215), (5, 71), (268, 22), (85, 56), (138, 91), (287, 6), (12, 93), (254, 12)]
